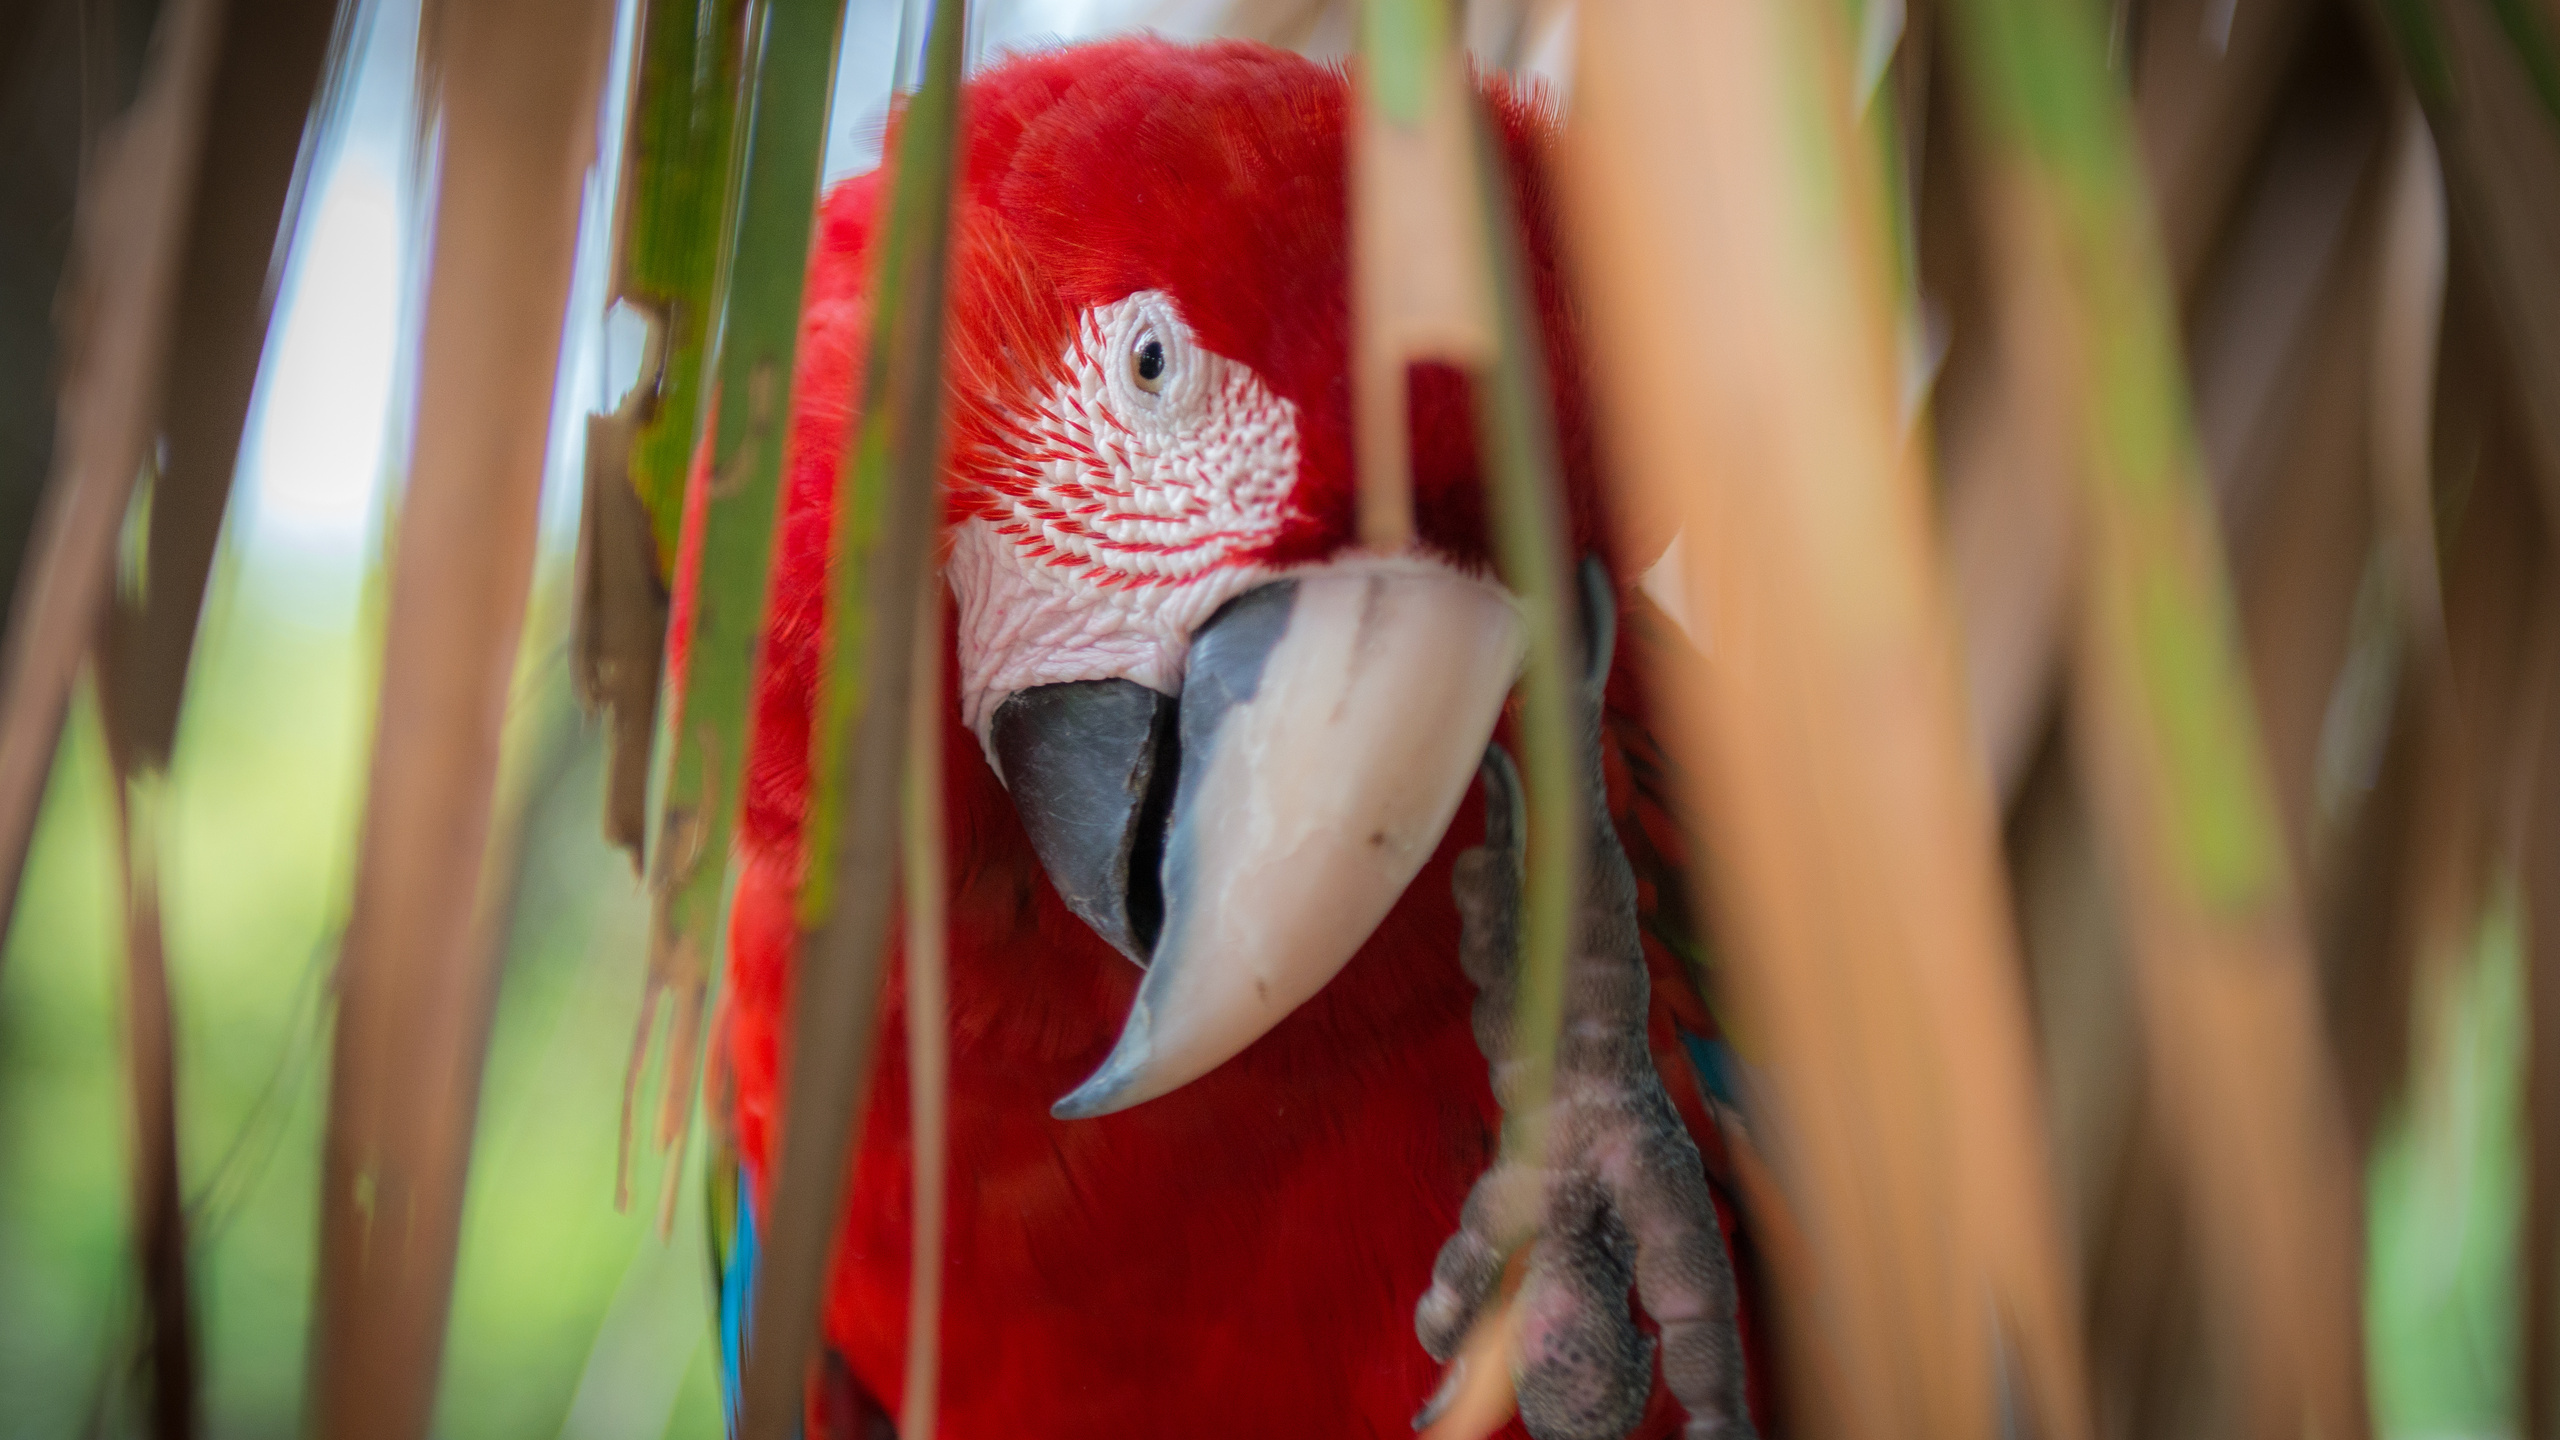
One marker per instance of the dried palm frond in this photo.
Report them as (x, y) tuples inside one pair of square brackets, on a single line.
[(416, 981)]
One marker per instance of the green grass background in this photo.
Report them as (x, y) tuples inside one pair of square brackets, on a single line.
[(570, 1318)]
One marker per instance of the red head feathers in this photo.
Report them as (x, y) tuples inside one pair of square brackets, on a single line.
[(1199, 754)]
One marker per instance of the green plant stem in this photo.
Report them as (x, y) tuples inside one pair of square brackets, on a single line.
[(1516, 433), (885, 533), (787, 67)]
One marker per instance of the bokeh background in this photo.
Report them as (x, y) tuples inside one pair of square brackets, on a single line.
[(571, 1317)]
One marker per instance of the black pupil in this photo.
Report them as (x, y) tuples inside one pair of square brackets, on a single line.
[(1151, 359)]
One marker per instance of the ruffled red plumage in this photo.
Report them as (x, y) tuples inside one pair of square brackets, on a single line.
[(1240, 1258)]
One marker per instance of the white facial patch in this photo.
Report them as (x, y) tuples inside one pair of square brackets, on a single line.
[(1115, 518)]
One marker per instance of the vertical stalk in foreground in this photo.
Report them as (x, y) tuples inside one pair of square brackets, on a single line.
[(259, 98), (518, 100), (2492, 96), (2165, 732), (777, 139), (1437, 275), (137, 201), (683, 109), (159, 1216), (887, 509), (1418, 281), (928, 1013), (686, 104), (1729, 221), (1515, 430), (673, 208), (273, 57)]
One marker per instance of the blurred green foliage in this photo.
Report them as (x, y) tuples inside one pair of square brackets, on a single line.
[(2444, 1197), (569, 1318)]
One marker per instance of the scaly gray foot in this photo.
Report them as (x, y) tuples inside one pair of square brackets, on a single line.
[(1622, 1199)]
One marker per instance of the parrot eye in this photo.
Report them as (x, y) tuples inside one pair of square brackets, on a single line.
[(1147, 362), (1154, 369)]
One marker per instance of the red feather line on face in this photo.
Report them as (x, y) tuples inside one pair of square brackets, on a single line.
[(1080, 488), (1213, 174)]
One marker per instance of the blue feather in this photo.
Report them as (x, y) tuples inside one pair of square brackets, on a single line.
[(733, 1260), (1717, 1066)]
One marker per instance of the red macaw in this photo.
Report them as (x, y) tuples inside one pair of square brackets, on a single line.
[(1192, 726)]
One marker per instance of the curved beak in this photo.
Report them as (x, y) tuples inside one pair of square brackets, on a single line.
[(1089, 766), (1327, 729)]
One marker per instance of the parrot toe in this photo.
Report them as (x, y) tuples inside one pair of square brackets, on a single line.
[(1501, 1214), (1585, 1371)]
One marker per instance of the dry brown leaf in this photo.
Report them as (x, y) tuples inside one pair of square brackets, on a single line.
[(2146, 1370), (2501, 157), (2229, 1006), (2412, 868), (517, 108), (1850, 824), (2405, 889), (2201, 110), (137, 203), (2226, 992), (2161, 732), (2302, 549), (2403, 874), (2076, 969), (2408, 321), (2498, 559), (261, 94), (168, 1349), (2207, 83), (928, 1007), (272, 59), (2010, 534), (2502, 624), (618, 631), (2292, 265)]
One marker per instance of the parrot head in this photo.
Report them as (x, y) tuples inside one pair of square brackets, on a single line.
[(1232, 736)]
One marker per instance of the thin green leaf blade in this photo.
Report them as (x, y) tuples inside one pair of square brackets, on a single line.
[(677, 181), (884, 536), (786, 65)]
